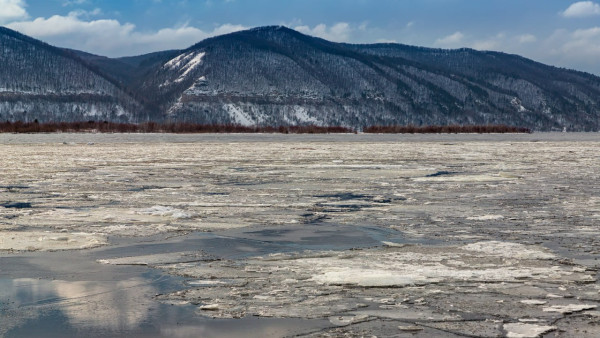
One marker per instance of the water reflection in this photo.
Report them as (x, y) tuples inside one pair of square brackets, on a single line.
[(98, 300), (121, 305), (43, 308), (247, 327), (109, 306)]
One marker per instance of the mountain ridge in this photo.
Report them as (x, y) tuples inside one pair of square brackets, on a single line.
[(274, 75)]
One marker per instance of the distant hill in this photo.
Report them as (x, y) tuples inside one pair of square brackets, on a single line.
[(277, 76), (38, 81)]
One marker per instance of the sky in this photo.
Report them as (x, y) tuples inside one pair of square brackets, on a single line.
[(562, 33)]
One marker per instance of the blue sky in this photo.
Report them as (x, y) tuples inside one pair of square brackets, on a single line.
[(564, 33)]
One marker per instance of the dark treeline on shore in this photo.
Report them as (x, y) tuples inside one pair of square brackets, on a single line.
[(191, 128), (153, 127), (451, 129)]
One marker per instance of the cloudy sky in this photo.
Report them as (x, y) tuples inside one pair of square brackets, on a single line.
[(558, 32)]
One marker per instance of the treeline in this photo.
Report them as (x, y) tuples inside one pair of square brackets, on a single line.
[(153, 127), (451, 129), (192, 128)]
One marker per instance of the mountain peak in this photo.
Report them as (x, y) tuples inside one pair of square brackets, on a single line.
[(269, 32), (270, 28)]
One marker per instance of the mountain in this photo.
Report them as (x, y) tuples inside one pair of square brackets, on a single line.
[(38, 81), (277, 76)]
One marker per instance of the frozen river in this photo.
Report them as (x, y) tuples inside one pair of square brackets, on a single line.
[(299, 235)]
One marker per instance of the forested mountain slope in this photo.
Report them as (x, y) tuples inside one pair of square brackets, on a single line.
[(277, 76), (38, 81)]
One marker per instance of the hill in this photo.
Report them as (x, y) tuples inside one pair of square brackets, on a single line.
[(39, 81)]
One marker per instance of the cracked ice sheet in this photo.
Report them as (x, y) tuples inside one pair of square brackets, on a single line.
[(325, 284), (519, 191), (404, 268), (503, 188)]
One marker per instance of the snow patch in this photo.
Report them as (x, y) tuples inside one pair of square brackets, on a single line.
[(517, 104), (196, 88), (301, 114), (175, 107), (93, 111), (238, 115), (120, 111), (176, 62), (184, 64), (190, 66)]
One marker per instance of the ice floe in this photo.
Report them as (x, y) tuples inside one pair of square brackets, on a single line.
[(485, 218), (159, 210), (524, 330), (49, 241), (570, 308), (509, 250), (155, 259)]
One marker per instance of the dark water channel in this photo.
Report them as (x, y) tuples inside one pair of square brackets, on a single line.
[(68, 293)]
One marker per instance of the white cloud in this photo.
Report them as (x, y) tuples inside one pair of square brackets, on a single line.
[(11, 10), (577, 49), (581, 44), (499, 42), (582, 9), (491, 43), (71, 25), (86, 14), (526, 38), (452, 40), (340, 32), (226, 29), (110, 37), (74, 2)]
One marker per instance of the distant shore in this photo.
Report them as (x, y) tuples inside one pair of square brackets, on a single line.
[(87, 138), (192, 128)]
